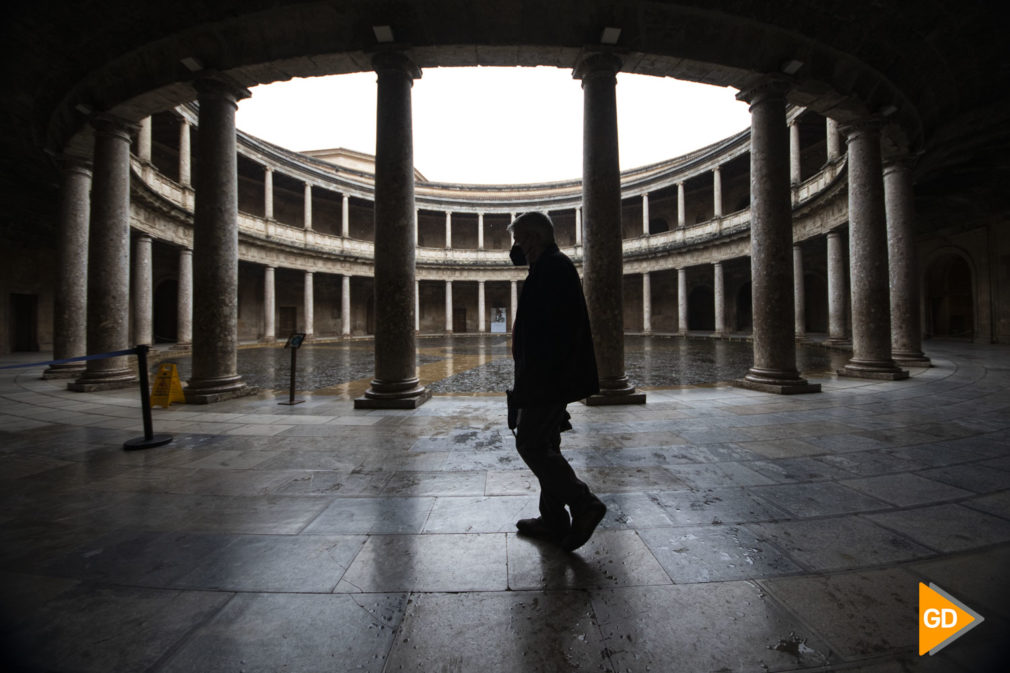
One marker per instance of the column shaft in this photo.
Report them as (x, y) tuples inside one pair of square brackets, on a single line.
[(774, 367), (309, 304), (646, 303), (144, 140), (269, 305), (831, 133), (681, 206), (215, 247), (268, 193), (868, 272), (480, 306), (184, 300), (143, 307), (645, 214), (345, 216), (906, 315), (448, 230), (719, 299), (307, 210), (185, 155), (70, 301), (448, 307), (799, 297), (109, 259), (578, 225), (514, 300), (345, 305), (480, 231), (601, 203), (837, 294), (682, 301), (716, 192), (795, 174), (395, 383)]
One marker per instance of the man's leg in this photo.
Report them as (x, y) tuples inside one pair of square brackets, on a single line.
[(538, 440)]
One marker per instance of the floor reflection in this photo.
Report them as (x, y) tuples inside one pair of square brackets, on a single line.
[(483, 364)]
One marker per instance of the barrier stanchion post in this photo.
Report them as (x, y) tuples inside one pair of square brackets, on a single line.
[(294, 343), (149, 440)]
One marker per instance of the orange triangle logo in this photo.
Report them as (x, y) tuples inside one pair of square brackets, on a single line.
[(942, 619)]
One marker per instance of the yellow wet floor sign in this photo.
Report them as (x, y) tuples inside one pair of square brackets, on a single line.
[(167, 388), (942, 619)]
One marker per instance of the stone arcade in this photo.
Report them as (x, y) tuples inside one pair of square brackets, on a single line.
[(865, 209)]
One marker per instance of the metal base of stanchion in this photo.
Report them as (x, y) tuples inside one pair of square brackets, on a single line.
[(145, 443), (291, 403)]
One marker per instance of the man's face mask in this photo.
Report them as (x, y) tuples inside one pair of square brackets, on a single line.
[(517, 255)]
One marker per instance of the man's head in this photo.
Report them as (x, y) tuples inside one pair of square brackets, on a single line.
[(533, 232)]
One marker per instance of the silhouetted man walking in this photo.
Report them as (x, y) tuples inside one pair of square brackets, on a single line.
[(554, 364)]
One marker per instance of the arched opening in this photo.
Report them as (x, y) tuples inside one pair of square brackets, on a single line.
[(166, 312), (949, 298), (744, 309), (701, 309)]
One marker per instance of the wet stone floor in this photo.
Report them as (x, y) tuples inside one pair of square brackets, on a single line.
[(476, 364), (744, 532)]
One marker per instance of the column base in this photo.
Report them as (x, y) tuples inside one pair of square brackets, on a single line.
[(71, 370), (881, 370), (613, 392), (840, 342), (408, 394), (217, 389), (779, 382), (911, 358), (109, 379)]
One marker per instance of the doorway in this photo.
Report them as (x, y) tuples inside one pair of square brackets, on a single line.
[(24, 322)]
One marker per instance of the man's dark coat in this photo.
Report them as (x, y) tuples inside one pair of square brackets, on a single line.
[(552, 342)]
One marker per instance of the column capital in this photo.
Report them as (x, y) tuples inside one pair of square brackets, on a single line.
[(767, 87), (395, 61), (75, 163), (111, 125), (213, 83), (597, 64), (897, 161), (856, 128)]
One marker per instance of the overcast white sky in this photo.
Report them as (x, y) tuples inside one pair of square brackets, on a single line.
[(496, 125)]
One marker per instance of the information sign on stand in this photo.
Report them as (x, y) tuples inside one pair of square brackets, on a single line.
[(294, 342)]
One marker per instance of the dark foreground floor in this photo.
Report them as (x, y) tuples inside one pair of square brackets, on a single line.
[(746, 532)]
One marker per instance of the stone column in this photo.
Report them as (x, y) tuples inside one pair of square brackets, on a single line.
[(307, 210), (269, 305), (144, 140), (601, 203), (514, 300), (309, 304), (345, 305), (70, 300), (646, 303), (682, 301), (448, 230), (799, 298), (868, 272), (345, 216), (480, 231), (774, 367), (215, 247), (719, 299), (831, 132), (268, 193), (109, 259), (448, 307), (395, 384), (795, 172), (906, 316), (417, 306), (716, 192), (185, 156), (184, 299), (645, 214), (143, 306), (837, 294), (681, 206), (481, 310), (578, 225)]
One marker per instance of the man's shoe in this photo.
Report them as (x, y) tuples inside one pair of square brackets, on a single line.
[(584, 522), (539, 529)]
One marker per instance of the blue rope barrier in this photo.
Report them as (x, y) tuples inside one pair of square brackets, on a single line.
[(99, 356)]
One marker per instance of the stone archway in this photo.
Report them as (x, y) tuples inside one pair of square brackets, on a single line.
[(949, 297)]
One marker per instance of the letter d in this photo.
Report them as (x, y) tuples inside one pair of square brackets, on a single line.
[(947, 612)]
